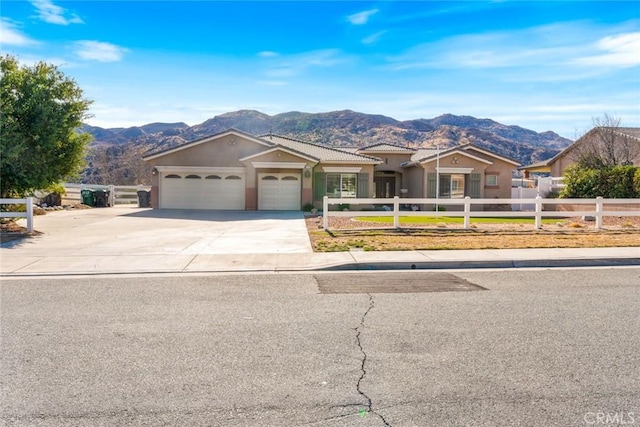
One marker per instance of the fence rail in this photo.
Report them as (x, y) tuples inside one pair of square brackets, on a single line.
[(118, 194), (537, 213), (27, 214)]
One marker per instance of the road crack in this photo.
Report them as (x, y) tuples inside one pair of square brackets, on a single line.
[(363, 368)]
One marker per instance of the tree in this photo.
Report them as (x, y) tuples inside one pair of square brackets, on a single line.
[(41, 111), (119, 164), (605, 146)]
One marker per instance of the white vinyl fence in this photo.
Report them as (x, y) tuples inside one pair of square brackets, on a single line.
[(118, 194), (592, 208), (27, 214)]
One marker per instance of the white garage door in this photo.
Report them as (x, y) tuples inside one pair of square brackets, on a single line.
[(279, 191), (202, 191)]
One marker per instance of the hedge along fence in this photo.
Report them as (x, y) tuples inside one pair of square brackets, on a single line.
[(28, 213), (596, 205), (612, 182)]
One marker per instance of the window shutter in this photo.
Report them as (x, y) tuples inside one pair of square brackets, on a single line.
[(363, 185), (319, 185), (474, 187), (431, 185)]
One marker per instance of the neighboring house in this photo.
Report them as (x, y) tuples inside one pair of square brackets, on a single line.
[(238, 171), (556, 165)]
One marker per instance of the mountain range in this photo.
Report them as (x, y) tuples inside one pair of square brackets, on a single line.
[(346, 129)]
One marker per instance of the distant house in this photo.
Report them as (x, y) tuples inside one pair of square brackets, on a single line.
[(556, 165), (238, 171)]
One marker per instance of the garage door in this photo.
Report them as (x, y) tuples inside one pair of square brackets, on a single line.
[(279, 191), (202, 191)]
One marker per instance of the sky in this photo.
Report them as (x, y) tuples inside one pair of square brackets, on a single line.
[(542, 65)]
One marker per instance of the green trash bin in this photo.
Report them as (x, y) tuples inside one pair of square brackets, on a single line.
[(88, 197)]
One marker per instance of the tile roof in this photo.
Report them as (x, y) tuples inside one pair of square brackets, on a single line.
[(632, 132), (320, 152), (384, 147)]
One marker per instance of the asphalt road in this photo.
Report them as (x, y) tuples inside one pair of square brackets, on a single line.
[(537, 348)]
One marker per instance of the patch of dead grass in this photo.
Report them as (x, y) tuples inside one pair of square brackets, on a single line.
[(386, 239)]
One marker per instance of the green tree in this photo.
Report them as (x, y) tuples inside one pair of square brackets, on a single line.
[(41, 111)]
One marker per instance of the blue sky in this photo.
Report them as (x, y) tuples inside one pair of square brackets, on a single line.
[(543, 65)]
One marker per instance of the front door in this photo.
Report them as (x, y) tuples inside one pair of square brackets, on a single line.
[(385, 186)]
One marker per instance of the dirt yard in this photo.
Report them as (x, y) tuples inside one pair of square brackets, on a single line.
[(349, 233)]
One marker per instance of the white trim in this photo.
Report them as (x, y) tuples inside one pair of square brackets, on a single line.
[(208, 139), (343, 169), (205, 169), (280, 148), (280, 165), (488, 153), (460, 152), (455, 170)]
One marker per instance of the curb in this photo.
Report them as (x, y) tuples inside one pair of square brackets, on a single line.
[(463, 265)]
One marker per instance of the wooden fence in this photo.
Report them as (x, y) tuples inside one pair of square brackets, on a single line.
[(391, 207), (27, 214)]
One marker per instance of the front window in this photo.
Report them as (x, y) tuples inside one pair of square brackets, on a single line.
[(341, 185), (491, 180), (451, 186), (457, 186)]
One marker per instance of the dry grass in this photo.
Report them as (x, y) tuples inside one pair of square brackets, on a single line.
[(570, 233)]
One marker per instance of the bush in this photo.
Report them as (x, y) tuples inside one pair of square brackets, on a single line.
[(616, 182)]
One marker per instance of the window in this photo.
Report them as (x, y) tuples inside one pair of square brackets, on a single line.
[(341, 185), (491, 180), (452, 186), (457, 186)]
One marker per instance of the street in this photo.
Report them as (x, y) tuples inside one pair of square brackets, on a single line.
[(539, 347)]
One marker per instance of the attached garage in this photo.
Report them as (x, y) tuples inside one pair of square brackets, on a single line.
[(202, 190), (279, 191)]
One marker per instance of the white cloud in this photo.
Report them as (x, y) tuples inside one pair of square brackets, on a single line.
[(99, 51), (272, 83), (361, 18), (293, 65), (552, 53), (373, 37), (621, 50), (54, 14), (268, 54), (12, 36)]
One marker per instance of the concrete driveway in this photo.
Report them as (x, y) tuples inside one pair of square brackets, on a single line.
[(131, 235)]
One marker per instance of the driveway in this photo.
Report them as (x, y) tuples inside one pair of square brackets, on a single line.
[(131, 234)]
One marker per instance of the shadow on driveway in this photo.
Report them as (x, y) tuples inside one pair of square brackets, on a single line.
[(215, 215)]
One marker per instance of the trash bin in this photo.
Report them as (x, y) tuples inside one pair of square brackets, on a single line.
[(102, 198), (144, 199), (88, 197)]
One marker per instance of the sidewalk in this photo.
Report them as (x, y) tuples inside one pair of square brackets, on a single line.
[(126, 239), (15, 266)]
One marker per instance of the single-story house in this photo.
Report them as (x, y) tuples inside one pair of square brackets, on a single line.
[(627, 138), (238, 171)]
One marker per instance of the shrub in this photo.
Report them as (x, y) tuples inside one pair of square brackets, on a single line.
[(616, 182)]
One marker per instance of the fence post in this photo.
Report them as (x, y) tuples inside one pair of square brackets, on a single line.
[(599, 213), (325, 213), (30, 214), (396, 212), (467, 212), (112, 195), (538, 222)]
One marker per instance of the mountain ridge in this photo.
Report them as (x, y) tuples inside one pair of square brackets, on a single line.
[(347, 128)]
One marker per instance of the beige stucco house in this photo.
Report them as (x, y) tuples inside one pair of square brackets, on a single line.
[(556, 165), (238, 171)]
